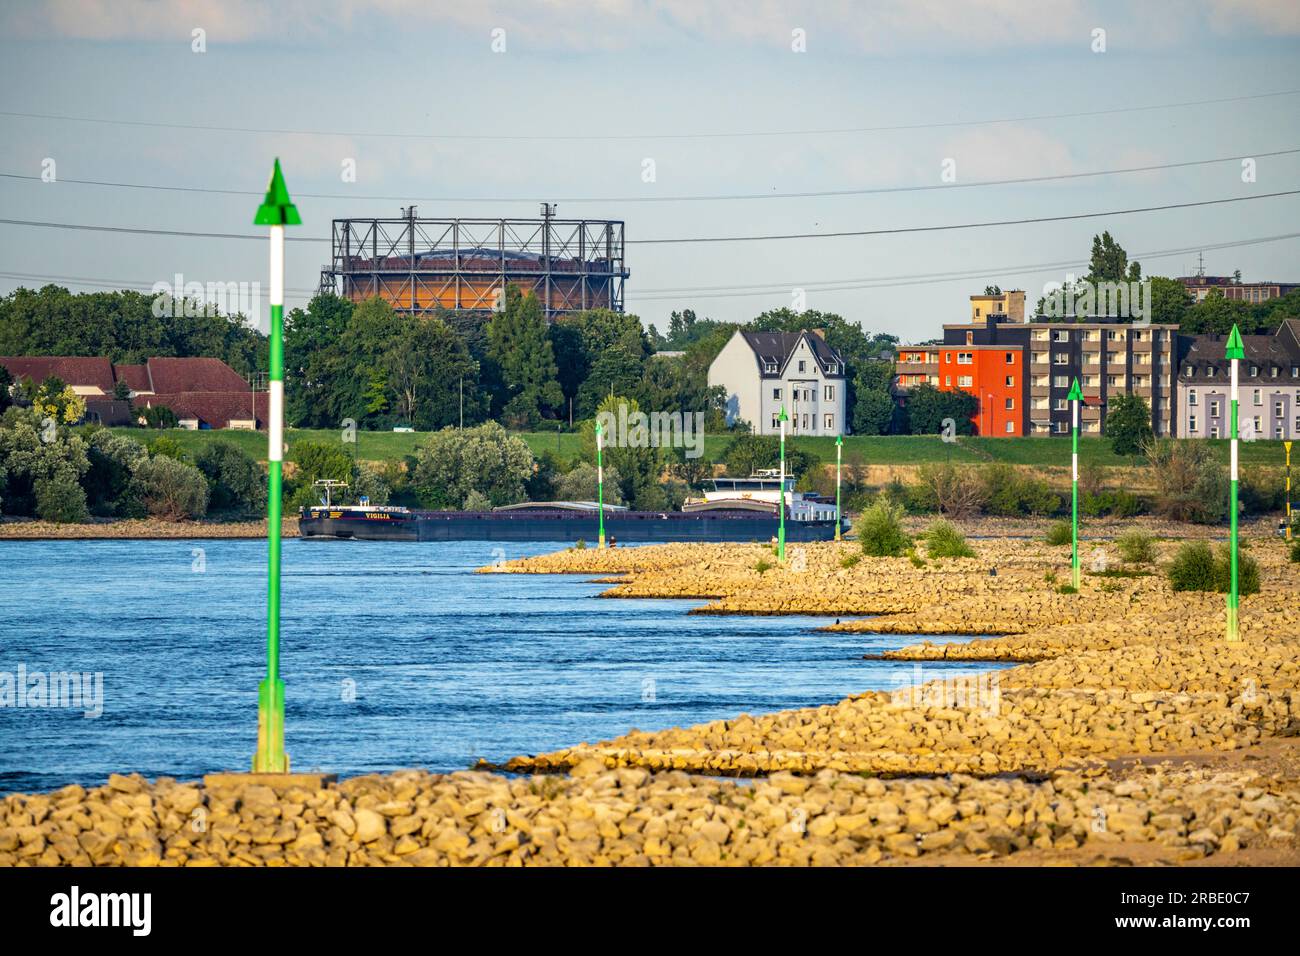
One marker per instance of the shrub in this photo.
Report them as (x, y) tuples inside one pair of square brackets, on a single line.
[(169, 446), (235, 481), (60, 498), (953, 491), (1010, 493), (1136, 547), (1121, 504), (580, 484), (853, 559), (157, 416), (170, 489), (1067, 589), (943, 540), (1196, 568), (1262, 490), (1192, 568), (881, 531), (1061, 532), (1191, 484), (370, 483), (1295, 550), (762, 565)]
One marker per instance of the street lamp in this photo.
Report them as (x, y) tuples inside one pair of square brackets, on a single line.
[(277, 211)]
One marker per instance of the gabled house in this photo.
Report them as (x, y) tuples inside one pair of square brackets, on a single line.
[(763, 372), (1268, 383)]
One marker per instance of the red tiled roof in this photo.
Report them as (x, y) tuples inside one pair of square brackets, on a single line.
[(135, 376), (214, 409), (173, 375), (81, 371)]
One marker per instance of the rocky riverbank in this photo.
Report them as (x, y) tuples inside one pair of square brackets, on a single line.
[(1136, 735)]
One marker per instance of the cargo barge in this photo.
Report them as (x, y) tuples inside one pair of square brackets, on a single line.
[(736, 510)]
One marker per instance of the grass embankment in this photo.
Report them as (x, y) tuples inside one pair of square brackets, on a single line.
[(871, 449)]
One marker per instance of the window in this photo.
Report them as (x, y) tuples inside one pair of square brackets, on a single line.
[(1295, 371), (1061, 381), (1062, 405), (1011, 428), (1272, 373), (830, 423), (1214, 409), (1112, 336), (1214, 431), (1061, 358), (805, 421), (1060, 335), (1258, 397), (1191, 370), (1011, 404), (1209, 371), (1277, 410), (776, 421), (776, 394), (965, 358), (1061, 428), (970, 338), (1259, 426), (1115, 381), (1191, 423), (1011, 358), (1011, 381), (802, 365), (947, 357), (1254, 371), (965, 381), (1191, 396), (829, 393), (947, 381)]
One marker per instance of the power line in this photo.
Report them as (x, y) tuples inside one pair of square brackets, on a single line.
[(589, 137), (824, 285), (809, 194), (682, 240)]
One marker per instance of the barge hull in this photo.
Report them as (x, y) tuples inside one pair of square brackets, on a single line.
[(623, 527)]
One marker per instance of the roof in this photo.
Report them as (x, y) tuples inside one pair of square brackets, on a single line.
[(173, 375), (214, 409), (136, 377), (777, 347), (1205, 352), (74, 370)]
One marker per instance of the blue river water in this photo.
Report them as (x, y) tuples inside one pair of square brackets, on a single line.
[(393, 655)]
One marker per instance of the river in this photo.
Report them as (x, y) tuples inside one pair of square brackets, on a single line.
[(393, 655)]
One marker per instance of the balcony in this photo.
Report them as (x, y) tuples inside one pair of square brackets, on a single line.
[(1040, 391)]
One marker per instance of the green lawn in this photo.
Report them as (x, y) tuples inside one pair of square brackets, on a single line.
[(869, 449)]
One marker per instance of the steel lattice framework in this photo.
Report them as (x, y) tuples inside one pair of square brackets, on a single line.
[(421, 265)]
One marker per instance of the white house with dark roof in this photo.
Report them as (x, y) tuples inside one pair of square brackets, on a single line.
[(762, 372), (1269, 385)]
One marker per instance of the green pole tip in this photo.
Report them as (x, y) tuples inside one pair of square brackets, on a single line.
[(839, 439), (1236, 348), (1076, 393), (277, 208), (783, 417)]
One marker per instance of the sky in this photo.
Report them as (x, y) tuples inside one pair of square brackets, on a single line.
[(484, 109)]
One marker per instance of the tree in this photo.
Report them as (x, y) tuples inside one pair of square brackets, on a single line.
[(519, 345), (169, 489), (1128, 424), (1109, 262), (1191, 484), (312, 361), (452, 463), (32, 450), (157, 416), (112, 459), (428, 366), (235, 481), (6, 382), (928, 408), (1217, 315), (57, 401), (639, 466), (579, 484), (1170, 301)]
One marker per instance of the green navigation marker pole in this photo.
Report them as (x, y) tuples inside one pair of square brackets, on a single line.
[(1287, 446), (1234, 352), (600, 483), (276, 211), (1075, 396), (780, 532), (839, 449)]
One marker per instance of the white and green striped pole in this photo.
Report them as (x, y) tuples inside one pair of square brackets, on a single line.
[(600, 483), (1075, 396), (839, 449), (276, 211), (780, 530), (1234, 352)]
